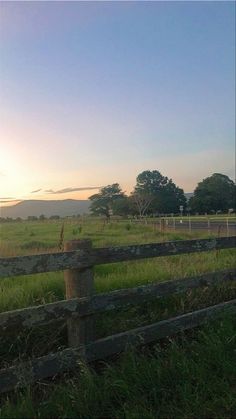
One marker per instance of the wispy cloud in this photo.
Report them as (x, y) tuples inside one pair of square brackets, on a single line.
[(37, 190), (66, 190), (9, 200), (2, 174), (6, 197)]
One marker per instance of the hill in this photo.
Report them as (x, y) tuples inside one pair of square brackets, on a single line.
[(63, 208)]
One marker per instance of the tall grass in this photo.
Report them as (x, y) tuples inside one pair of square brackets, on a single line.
[(37, 236), (188, 377)]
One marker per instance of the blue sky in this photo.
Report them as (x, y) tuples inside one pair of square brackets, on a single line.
[(95, 92)]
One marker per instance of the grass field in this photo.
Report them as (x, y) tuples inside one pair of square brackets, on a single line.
[(190, 376)]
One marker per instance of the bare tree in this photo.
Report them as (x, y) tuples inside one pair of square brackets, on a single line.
[(142, 202)]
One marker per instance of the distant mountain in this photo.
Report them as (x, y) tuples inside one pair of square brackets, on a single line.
[(63, 208)]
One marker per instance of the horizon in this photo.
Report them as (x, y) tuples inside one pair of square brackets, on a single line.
[(13, 203), (95, 93)]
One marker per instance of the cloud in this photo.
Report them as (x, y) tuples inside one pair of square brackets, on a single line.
[(37, 190), (11, 200), (66, 190), (7, 197), (2, 174)]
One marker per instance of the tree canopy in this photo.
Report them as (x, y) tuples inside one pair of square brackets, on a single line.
[(214, 193), (103, 202), (164, 195)]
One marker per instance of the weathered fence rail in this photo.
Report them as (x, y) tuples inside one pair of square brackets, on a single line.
[(69, 359), (44, 314), (80, 259), (81, 305)]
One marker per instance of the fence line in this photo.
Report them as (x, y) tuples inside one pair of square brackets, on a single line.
[(44, 314), (84, 258), (187, 223), (81, 306), (71, 358)]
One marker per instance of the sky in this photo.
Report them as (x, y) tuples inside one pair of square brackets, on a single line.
[(93, 93)]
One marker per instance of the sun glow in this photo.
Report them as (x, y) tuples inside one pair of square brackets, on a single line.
[(7, 163), (12, 177)]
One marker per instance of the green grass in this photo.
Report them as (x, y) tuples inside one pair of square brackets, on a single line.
[(177, 378), (38, 289), (19, 292), (192, 376), (27, 237)]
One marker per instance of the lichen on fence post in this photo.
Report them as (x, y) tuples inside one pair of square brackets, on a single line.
[(79, 283)]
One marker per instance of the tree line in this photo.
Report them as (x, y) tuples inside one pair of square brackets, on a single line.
[(155, 194)]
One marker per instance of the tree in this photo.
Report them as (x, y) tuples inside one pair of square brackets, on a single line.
[(141, 201), (122, 206), (165, 196), (216, 192), (32, 218), (103, 202)]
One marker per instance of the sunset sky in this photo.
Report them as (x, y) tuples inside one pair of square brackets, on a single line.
[(93, 93)]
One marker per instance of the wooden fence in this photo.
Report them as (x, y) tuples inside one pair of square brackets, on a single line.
[(81, 305)]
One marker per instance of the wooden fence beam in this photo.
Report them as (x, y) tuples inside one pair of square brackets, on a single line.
[(69, 359), (136, 252), (80, 259), (48, 262), (26, 318)]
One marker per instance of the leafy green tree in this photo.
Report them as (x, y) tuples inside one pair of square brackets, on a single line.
[(164, 195), (214, 193), (104, 202), (122, 206), (32, 218)]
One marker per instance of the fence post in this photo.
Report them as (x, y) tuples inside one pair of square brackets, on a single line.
[(174, 223), (79, 283), (208, 226), (162, 225), (227, 226), (189, 224)]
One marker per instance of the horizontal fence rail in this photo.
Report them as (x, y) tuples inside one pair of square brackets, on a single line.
[(81, 305), (26, 265), (16, 320), (71, 358)]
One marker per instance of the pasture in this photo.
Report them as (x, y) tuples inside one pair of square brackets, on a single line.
[(196, 370)]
